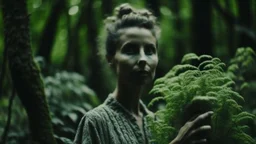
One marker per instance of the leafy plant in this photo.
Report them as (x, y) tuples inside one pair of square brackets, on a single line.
[(242, 70), (243, 62), (198, 85), (69, 99), (18, 131)]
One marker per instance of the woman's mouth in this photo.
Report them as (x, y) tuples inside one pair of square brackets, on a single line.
[(143, 73)]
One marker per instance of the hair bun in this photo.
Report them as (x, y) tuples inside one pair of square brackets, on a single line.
[(124, 9), (145, 12)]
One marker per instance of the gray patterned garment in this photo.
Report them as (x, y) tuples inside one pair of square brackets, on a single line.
[(111, 123)]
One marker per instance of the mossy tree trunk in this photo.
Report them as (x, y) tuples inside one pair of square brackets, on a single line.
[(24, 71)]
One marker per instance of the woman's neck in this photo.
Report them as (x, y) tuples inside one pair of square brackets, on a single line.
[(129, 96)]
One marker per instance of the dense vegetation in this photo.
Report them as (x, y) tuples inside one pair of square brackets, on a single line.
[(61, 38), (198, 85)]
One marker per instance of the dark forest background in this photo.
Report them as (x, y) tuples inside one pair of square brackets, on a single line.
[(62, 38)]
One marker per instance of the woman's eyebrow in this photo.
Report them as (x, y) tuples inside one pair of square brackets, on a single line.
[(130, 42), (150, 44)]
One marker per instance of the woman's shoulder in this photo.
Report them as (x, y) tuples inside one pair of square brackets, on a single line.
[(98, 113), (91, 125)]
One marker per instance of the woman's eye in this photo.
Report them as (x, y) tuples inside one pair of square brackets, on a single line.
[(150, 49), (130, 49)]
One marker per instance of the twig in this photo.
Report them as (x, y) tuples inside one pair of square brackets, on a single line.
[(8, 123)]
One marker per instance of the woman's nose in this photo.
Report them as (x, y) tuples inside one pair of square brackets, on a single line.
[(142, 58), (142, 63)]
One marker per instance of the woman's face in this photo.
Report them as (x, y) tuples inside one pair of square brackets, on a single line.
[(136, 56)]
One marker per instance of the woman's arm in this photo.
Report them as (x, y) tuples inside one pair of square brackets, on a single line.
[(193, 131)]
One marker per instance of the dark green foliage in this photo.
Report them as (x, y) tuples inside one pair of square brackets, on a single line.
[(69, 99), (240, 66), (198, 85), (18, 132), (242, 70)]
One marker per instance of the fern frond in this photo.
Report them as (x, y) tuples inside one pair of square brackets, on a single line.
[(155, 100), (182, 68), (198, 85), (190, 58), (203, 58), (243, 118), (204, 63)]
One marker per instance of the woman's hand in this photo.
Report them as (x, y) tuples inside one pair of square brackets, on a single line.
[(194, 131)]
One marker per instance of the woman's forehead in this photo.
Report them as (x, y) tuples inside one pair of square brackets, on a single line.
[(136, 33)]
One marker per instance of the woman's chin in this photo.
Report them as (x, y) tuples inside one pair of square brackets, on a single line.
[(142, 81)]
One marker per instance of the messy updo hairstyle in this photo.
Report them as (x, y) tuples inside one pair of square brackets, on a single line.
[(125, 16)]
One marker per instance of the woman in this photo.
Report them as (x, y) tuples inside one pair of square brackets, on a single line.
[(131, 51)]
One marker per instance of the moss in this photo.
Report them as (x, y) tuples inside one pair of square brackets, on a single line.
[(24, 72)]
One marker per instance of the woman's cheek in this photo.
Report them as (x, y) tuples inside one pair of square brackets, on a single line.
[(154, 62)]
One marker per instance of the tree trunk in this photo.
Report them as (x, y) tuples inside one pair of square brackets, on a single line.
[(72, 58), (231, 33), (245, 19), (178, 43), (24, 71), (241, 26), (49, 32), (97, 79), (231, 22), (201, 27)]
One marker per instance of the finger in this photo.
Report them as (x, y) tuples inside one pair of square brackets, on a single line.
[(199, 141), (191, 127), (200, 133), (202, 118), (204, 115)]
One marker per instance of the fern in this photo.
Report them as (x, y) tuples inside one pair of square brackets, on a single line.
[(198, 85), (244, 60)]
